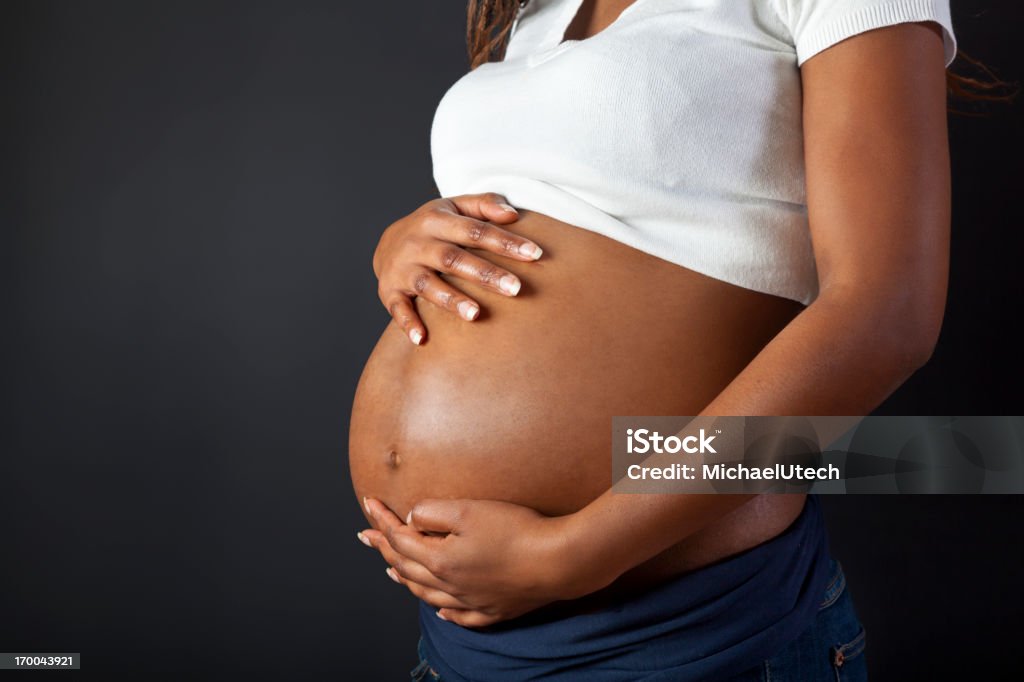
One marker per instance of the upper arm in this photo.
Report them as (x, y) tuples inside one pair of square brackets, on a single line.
[(878, 169)]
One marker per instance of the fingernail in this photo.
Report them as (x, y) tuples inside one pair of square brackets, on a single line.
[(366, 506), (363, 539), (394, 576), (408, 518), (468, 310), (531, 251), (416, 336), (438, 612), (507, 209), (509, 284)]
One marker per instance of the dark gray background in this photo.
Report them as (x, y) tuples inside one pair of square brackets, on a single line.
[(191, 192)]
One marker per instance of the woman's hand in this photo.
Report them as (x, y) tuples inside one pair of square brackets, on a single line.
[(482, 561), (413, 250)]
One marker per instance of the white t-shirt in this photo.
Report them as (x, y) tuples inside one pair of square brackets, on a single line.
[(676, 130)]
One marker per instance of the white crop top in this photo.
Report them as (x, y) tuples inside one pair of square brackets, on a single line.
[(676, 130)]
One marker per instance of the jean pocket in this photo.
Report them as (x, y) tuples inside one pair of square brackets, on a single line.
[(836, 585), (842, 632), (423, 672), (831, 649), (848, 661)]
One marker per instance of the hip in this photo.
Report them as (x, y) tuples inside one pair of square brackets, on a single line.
[(714, 623), (831, 649)]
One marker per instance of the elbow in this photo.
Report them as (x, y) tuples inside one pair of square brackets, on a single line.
[(913, 334), (918, 349), (901, 326), (919, 313)]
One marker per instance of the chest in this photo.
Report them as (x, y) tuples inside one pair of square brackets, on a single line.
[(702, 80)]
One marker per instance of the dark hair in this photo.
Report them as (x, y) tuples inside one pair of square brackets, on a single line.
[(488, 23)]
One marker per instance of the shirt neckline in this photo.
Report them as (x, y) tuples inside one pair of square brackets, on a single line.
[(569, 10)]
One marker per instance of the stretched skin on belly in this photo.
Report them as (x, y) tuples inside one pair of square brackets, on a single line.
[(517, 405)]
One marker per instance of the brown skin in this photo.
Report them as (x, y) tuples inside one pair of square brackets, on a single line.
[(515, 405), (878, 195), (414, 250)]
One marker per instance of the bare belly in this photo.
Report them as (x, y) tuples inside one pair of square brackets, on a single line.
[(517, 405)]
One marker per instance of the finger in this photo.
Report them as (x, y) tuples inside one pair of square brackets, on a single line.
[(406, 567), (487, 206), (401, 538), (404, 540), (436, 598), (438, 516), (478, 234), (466, 618), (428, 285), (426, 550), (453, 260), (381, 513), (403, 312)]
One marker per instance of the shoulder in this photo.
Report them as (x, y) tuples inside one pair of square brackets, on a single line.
[(816, 25)]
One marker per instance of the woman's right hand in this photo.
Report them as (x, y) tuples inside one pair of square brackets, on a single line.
[(414, 250)]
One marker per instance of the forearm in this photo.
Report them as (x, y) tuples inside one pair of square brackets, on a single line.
[(843, 355)]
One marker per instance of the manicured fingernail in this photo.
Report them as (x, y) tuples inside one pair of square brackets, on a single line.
[(509, 284), (408, 518), (416, 336), (394, 576), (468, 310), (366, 506), (507, 209), (531, 251), (438, 612), (363, 539)]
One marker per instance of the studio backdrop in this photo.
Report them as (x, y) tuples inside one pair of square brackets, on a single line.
[(191, 194)]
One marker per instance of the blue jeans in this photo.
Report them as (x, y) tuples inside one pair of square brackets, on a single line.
[(830, 650)]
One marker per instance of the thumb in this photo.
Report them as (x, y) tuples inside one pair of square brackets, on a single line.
[(437, 516), (489, 206)]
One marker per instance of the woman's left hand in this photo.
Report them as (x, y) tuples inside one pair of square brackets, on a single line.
[(481, 561)]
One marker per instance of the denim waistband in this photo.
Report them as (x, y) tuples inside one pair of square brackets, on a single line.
[(713, 622)]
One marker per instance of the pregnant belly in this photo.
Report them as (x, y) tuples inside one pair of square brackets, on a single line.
[(517, 405)]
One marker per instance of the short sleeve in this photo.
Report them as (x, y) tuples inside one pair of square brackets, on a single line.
[(818, 24)]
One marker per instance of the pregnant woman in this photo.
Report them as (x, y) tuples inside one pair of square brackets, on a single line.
[(650, 207)]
